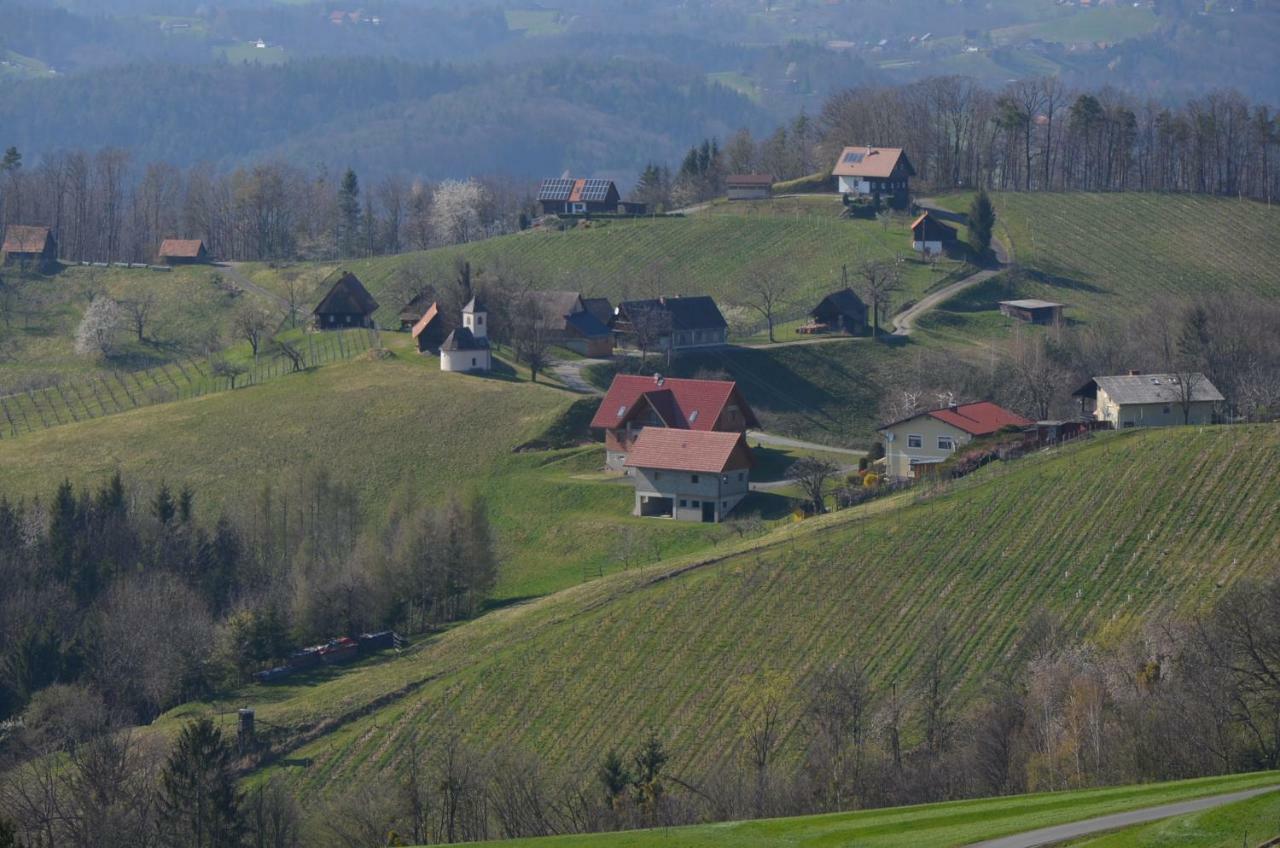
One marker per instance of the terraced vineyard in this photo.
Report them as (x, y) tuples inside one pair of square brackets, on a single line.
[(698, 254), (1129, 525), (1102, 253)]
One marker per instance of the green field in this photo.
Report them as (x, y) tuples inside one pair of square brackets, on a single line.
[(956, 824), (683, 647), (1103, 253)]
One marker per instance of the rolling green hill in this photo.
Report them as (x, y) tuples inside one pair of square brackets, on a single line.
[(953, 824), (1128, 525), (1102, 253)]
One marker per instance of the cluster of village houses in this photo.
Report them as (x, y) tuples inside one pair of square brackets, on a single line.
[(681, 441)]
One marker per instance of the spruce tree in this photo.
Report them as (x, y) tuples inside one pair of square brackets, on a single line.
[(982, 222), (349, 214), (199, 804)]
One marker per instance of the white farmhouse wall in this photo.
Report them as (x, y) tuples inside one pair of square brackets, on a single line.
[(899, 454), (1149, 414)]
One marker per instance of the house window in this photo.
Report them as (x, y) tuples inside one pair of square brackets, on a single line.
[(946, 443), (479, 320), (915, 440), (473, 362), (1166, 410), (657, 475), (741, 475), (697, 504), (693, 478), (684, 502)]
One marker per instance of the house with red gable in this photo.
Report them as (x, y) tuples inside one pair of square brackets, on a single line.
[(635, 403), (689, 475), (929, 437)]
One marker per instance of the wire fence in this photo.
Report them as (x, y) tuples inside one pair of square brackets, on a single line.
[(112, 392)]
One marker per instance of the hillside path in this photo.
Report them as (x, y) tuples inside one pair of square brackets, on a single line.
[(905, 322), (798, 342), (1063, 832), (232, 270), (569, 373), (784, 442)]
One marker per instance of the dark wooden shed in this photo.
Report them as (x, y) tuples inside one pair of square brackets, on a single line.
[(348, 304), (24, 245), (841, 312)]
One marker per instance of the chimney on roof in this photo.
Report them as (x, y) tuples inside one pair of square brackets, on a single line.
[(658, 379)]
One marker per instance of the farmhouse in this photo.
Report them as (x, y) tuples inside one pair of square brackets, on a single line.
[(672, 323), (839, 312), (689, 475), (1150, 400), (868, 171), (25, 245), (749, 186), (929, 235), (634, 403), (566, 321), (928, 438), (183, 252), (1033, 311), (467, 347), (569, 196), (428, 331), (348, 304), (411, 313)]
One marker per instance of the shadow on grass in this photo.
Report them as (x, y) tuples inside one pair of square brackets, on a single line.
[(502, 603), (768, 505)]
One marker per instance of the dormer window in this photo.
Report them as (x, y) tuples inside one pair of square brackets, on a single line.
[(693, 416), (622, 410)]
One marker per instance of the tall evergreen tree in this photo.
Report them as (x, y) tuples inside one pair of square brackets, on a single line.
[(349, 214), (982, 222), (198, 798)]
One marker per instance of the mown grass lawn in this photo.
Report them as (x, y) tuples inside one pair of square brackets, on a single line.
[(947, 825)]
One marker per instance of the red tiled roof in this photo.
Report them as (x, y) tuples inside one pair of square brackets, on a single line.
[(677, 397), (19, 238), (181, 248), (689, 450), (877, 162), (432, 313), (981, 418)]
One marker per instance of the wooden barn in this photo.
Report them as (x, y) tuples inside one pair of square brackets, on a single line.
[(749, 186), (411, 313), (183, 252), (1033, 311), (929, 235), (839, 312), (428, 332), (348, 304), (29, 246)]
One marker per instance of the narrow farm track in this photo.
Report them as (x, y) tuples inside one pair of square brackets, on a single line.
[(685, 648)]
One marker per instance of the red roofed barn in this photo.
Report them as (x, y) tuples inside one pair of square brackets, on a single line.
[(183, 252), (689, 475), (29, 245), (635, 403), (928, 438)]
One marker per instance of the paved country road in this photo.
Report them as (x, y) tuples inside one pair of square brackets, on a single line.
[(755, 436), (232, 270), (1063, 832)]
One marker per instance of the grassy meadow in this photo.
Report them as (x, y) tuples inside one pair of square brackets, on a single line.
[(685, 647), (954, 824)]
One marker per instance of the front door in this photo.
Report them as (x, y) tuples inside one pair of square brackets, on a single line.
[(708, 512)]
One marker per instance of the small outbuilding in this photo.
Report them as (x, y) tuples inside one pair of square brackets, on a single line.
[(929, 235), (29, 246), (428, 332), (749, 186), (411, 313), (689, 475), (183, 252), (839, 312), (1033, 311), (348, 304)]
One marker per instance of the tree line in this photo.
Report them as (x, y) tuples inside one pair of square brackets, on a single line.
[(127, 601), (1179, 699)]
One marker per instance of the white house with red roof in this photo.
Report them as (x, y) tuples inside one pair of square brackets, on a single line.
[(635, 403), (929, 437), (866, 171), (689, 475)]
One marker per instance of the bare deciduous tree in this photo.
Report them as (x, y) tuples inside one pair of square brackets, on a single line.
[(812, 473), (253, 324), (880, 283), (769, 288)]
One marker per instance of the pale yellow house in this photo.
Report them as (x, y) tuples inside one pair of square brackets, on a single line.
[(1150, 400), (928, 438)]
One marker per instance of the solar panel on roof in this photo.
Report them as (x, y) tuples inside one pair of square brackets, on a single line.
[(595, 190), (854, 158), (557, 189)]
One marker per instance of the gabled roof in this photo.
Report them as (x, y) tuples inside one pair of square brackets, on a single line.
[(464, 339), (587, 325), (845, 302), (428, 318), (1031, 303), (689, 450), (684, 404), (475, 304), (932, 226), (876, 162), (415, 308), (977, 419), (19, 238), (573, 190), (1127, 389), (599, 307), (749, 180), (562, 310), (181, 248), (687, 313), (347, 297)]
